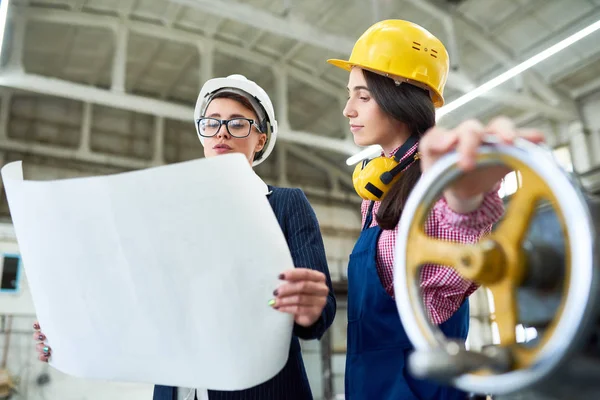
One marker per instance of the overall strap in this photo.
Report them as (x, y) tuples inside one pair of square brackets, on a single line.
[(406, 146), (369, 217), (388, 176)]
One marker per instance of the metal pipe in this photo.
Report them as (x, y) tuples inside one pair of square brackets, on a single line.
[(326, 366), (7, 319)]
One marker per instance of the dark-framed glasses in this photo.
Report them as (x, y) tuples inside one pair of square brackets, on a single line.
[(237, 127)]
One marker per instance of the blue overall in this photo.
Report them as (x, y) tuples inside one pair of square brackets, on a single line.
[(378, 346)]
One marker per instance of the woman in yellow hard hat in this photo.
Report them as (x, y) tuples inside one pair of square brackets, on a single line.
[(397, 75)]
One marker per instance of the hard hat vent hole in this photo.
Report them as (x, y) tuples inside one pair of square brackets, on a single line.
[(432, 55), (417, 46)]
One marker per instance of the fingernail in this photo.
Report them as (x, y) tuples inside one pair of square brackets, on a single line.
[(46, 350), (36, 326), (41, 337), (275, 292), (272, 302), (281, 276)]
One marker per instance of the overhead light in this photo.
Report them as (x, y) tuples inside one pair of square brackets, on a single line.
[(3, 14), (514, 71), (492, 83)]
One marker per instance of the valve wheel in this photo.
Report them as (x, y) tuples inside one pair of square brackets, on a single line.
[(498, 261)]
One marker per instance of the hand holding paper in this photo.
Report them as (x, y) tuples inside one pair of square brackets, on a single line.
[(188, 254), (303, 295)]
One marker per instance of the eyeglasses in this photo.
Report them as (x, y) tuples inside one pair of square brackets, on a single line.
[(237, 127)]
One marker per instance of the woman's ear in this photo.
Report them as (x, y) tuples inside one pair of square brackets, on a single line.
[(262, 140)]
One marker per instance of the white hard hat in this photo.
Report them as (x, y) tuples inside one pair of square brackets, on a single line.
[(259, 99)]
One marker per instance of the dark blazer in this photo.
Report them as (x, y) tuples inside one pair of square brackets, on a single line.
[(301, 229)]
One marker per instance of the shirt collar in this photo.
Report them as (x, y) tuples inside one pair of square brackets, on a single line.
[(410, 151)]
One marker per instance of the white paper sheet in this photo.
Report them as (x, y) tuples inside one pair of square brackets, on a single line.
[(160, 276)]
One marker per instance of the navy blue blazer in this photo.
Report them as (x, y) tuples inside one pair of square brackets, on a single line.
[(301, 229)]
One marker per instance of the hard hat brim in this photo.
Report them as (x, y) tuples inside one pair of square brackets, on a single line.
[(343, 64), (436, 98)]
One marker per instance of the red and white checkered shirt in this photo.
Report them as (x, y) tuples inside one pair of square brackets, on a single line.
[(443, 289)]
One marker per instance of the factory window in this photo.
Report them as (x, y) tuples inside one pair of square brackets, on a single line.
[(512, 181), (9, 273), (510, 184), (562, 155), (524, 334)]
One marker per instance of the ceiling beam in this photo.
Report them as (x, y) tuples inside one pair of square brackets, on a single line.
[(455, 80), (573, 68), (126, 7), (179, 36), (289, 27), (528, 103), (66, 17), (443, 14), (269, 22), (51, 86), (310, 34), (125, 163), (494, 49), (448, 23), (295, 29), (171, 14), (17, 79), (485, 43), (526, 118), (587, 89), (186, 64)]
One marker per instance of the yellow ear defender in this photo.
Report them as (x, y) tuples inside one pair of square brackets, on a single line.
[(373, 178)]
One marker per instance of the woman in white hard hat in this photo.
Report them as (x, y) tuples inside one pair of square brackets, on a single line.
[(235, 115), (397, 75)]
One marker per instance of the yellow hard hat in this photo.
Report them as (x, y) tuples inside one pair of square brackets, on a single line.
[(405, 52)]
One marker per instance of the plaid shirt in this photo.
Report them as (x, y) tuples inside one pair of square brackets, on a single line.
[(444, 290)]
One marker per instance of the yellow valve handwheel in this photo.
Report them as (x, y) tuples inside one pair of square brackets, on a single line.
[(498, 262)]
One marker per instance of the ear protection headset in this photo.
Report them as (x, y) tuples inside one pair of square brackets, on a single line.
[(373, 178)]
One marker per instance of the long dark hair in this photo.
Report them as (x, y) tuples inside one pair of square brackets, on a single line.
[(412, 106)]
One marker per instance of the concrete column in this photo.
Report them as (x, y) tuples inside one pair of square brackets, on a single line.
[(119, 66), (159, 140), (86, 128), (207, 58)]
